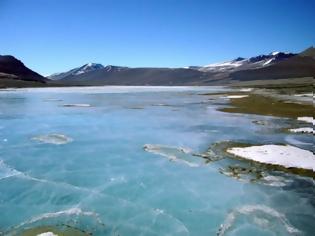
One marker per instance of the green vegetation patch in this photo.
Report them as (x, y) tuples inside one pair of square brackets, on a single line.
[(262, 105)]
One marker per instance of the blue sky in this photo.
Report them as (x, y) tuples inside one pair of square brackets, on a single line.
[(56, 35)]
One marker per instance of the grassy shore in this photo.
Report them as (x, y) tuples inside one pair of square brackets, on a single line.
[(263, 105), (273, 100)]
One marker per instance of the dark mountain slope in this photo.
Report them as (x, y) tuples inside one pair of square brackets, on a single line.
[(310, 52), (217, 73), (10, 65)]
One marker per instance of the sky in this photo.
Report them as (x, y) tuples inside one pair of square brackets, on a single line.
[(57, 35)]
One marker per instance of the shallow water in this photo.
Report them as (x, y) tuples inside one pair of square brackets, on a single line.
[(86, 166)]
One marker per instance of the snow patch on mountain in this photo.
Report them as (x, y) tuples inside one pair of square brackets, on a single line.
[(87, 68), (268, 61), (274, 53), (77, 71), (223, 66)]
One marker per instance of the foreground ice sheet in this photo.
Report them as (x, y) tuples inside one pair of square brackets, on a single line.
[(287, 156), (108, 182)]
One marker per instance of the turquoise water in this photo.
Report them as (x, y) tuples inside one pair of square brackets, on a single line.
[(99, 178)]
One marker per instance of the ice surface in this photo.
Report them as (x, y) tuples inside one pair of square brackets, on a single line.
[(7, 171), (105, 183), (262, 215)]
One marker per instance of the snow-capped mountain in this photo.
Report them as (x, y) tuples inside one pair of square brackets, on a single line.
[(223, 66), (111, 68), (276, 65), (272, 57), (243, 63), (77, 71), (88, 67)]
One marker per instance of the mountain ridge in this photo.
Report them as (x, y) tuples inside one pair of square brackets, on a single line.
[(272, 66), (12, 66)]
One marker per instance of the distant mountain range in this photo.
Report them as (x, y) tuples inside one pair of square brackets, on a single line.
[(243, 63), (276, 65)]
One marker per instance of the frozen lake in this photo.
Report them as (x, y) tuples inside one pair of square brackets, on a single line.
[(121, 161)]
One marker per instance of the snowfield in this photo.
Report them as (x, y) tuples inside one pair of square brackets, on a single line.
[(287, 156), (307, 119)]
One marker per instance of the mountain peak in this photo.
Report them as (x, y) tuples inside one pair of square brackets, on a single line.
[(274, 53), (239, 59), (94, 64), (87, 68)]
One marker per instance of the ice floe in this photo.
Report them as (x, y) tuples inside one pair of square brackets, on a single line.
[(237, 96), (307, 119), (57, 222), (56, 139), (260, 215), (275, 181), (71, 211), (254, 175), (53, 100), (75, 211), (302, 130), (246, 89), (287, 156), (179, 154), (77, 105), (304, 95)]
